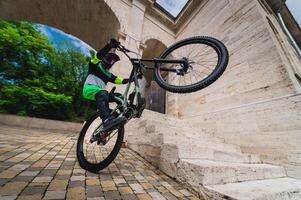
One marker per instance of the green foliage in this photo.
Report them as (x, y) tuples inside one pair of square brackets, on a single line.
[(38, 80), (34, 101)]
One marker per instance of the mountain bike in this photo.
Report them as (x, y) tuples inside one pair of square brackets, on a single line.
[(187, 66)]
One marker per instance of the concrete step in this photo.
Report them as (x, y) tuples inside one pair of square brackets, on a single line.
[(206, 150), (172, 129), (188, 142), (188, 148), (158, 117), (270, 189), (208, 172)]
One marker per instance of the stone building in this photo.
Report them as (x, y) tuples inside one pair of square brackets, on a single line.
[(215, 140)]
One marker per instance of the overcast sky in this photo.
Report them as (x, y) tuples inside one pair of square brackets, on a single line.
[(173, 7), (295, 8)]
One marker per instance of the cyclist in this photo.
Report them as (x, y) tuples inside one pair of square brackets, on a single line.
[(98, 76)]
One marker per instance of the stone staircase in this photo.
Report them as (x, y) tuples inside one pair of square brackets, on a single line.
[(206, 164)]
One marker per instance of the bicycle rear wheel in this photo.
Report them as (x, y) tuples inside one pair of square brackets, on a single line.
[(207, 60), (95, 156)]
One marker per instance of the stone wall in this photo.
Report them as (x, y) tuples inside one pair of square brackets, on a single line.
[(256, 103), (32, 122), (255, 71)]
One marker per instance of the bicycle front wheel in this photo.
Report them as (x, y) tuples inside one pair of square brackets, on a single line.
[(207, 60), (95, 155)]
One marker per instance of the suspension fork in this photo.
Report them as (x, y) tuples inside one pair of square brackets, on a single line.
[(137, 86)]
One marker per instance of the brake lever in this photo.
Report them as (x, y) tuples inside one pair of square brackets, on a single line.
[(113, 90), (122, 48)]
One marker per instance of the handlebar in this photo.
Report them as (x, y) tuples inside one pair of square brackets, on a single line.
[(122, 48), (125, 51)]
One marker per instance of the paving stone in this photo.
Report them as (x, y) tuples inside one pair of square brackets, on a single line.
[(76, 193), (92, 175), (130, 178), (34, 190), (22, 179), (29, 173), (110, 195), (62, 177), (185, 192), (45, 179), (13, 188), (48, 172), (105, 189), (12, 197), (79, 171), (119, 181), (175, 192), (64, 172), (165, 184), (161, 189), (95, 198), (9, 173), (137, 188), (58, 185), (147, 186), (19, 167), (193, 198), (94, 191), (50, 163), (156, 195), (169, 196), (30, 197), (77, 178), (73, 184), (3, 181), (93, 181), (40, 163), (55, 195), (32, 184), (31, 168), (125, 190), (105, 176), (129, 197), (144, 197), (107, 184)]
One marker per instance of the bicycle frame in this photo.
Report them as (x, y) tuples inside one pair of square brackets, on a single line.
[(137, 65)]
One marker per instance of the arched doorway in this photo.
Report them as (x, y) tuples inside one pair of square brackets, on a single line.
[(92, 21), (155, 96)]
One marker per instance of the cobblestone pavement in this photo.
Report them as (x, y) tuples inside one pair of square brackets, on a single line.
[(40, 164)]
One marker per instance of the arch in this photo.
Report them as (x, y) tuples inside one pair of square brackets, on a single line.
[(148, 38), (155, 96), (93, 21)]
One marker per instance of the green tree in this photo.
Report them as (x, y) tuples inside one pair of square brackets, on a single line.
[(23, 51), (35, 78)]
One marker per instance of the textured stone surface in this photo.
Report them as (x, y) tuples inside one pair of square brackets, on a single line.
[(273, 189), (128, 177), (256, 103), (209, 172), (198, 161)]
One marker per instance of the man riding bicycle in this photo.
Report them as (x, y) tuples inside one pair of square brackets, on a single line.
[(98, 76)]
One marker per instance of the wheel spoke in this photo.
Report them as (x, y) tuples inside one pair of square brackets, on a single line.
[(95, 153), (201, 56)]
